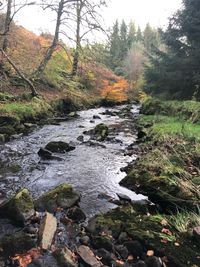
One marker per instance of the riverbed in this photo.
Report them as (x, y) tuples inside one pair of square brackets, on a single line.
[(92, 168)]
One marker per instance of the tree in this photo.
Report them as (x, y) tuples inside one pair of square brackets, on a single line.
[(176, 70), (131, 34), (123, 40), (115, 46), (139, 37)]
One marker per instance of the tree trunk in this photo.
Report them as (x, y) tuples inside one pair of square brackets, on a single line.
[(53, 46), (7, 25), (33, 90), (78, 38)]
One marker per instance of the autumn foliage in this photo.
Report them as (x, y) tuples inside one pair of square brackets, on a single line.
[(116, 91)]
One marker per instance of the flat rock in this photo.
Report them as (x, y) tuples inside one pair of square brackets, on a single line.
[(63, 196), (88, 256), (47, 231)]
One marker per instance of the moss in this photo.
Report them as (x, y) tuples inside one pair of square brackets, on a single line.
[(101, 131), (62, 196), (19, 208), (14, 168)]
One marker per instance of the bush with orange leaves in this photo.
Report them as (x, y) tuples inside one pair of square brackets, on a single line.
[(116, 91)]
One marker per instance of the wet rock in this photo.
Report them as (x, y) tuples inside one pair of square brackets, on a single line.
[(63, 196), (106, 257), (96, 117), (196, 233), (2, 138), (30, 125), (73, 114), (154, 262), (101, 132), (80, 138), (8, 120), (124, 197), (16, 243), (47, 231), (59, 147), (92, 121), (122, 251), (94, 144), (65, 257), (109, 113), (88, 256), (102, 242), (47, 155), (134, 248), (84, 240), (76, 214), (19, 208)]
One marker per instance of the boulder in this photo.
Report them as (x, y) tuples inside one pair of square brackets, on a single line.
[(101, 132), (18, 242), (73, 114), (62, 196), (124, 197), (102, 242), (19, 208), (96, 117), (88, 256), (76, 214), (59, 147), (47, 231), (47, 155), (65, 257), (80, 138)]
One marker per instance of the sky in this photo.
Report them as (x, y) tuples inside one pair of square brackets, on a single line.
[(155, 12)]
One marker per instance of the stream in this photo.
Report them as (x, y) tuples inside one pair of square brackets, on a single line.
[(91, 169)]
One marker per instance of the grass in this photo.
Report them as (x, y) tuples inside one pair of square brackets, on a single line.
[(185, 220), (166, 125), (25, 110)]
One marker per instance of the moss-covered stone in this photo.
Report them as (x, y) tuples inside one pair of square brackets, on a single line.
[(63, 196), (59, 147), (101, 132), (7, 130), (16, 243), (19, 208)]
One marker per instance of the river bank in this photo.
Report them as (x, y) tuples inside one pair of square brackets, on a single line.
[(137, 233)]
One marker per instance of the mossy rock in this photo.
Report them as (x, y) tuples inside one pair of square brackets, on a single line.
[(101, 132), (7, 130), (196, 180), (59, 147), (16, 243), (19, 208), (14, 168), (102, 242), (63, 196), (9, 120)]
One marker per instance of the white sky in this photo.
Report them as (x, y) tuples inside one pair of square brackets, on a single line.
[(156, 12)]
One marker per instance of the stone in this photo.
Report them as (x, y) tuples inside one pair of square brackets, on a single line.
[(154, 262), (76, 214), (102, 242), (101, 132), (96, 117), (63, 196), (2, 138), (19, 208), (106, 257), (80, 138), (47, 231), (122, 250), (196, 233), (47, 155), (134, 248), (73, 114), (18, 242), (88, 256), (124, 197), (59, 147), (29, 125), (65, 257), (84, 240)]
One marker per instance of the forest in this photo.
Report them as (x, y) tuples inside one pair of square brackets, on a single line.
[(99, 138)]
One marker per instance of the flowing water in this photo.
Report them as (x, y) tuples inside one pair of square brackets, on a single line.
[(92, 170)]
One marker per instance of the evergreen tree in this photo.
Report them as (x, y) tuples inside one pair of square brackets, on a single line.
[(131, 34), (139, 36), (115, 46), (177, 70), (123, 40)]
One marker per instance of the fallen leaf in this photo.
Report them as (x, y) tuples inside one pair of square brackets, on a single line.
[(150, 253)]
